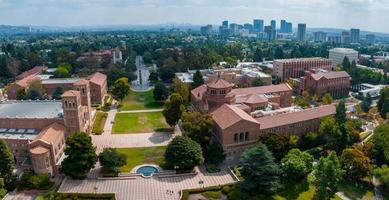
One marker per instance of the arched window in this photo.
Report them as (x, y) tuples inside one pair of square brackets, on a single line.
[(247, 136), (236, 138), (241, 137)]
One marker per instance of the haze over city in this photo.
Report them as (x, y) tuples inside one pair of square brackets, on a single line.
[(369, 15)]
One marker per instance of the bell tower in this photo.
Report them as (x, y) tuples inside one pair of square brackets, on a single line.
[(72, 109)]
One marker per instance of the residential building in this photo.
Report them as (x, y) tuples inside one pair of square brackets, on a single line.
[(270, 33), (273, 24), (286, 27), (248, 27), (301, 32), (320, 82), (354, 35), (337, 55), (320, 36), (334, 39), (345, 37), (284, 69)]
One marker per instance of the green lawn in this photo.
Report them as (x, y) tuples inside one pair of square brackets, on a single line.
[(139, 101), (138, 156), (139, 123), (98, 124)]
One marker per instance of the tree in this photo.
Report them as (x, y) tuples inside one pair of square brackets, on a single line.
[(278, 53), (111, 159), (366, 103), (297, 164), (173, 109), (197, 79), (382, 107), (345, 137), (58, 92), (182, 153), (81, 156), (346, 63), (355, 164), (327, 175), (259, 170), (214, 153), (182, 89), (21, 94), (257, 82), (277, 143), (327, 99), (257, 55), (380, 141), (121, 88), (62, 72), (160, 92), (153, 77), (198, 127), (35, 90), (7, 164), (340, 114), (382, 173)]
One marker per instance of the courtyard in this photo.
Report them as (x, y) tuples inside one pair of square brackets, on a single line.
[(139, 101), (142, 155), (144, 122)]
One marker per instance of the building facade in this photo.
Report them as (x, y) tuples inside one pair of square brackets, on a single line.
[(337, 55), (301, 32), (293, 68)]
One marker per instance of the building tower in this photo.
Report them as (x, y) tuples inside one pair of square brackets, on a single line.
[(218, 93), (83, 87), (72, 109), (301, 32)]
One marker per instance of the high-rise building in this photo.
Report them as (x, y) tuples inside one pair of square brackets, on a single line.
[(206, 30), (270, 33), (248, 27), (273, 24), (301, 32), (258, 25), (234, 28), (283, 26), (319, 36), (225, 23), (345, 37), (337, 55), (354, 35), (289, 27), (334, 39), (370, 38)]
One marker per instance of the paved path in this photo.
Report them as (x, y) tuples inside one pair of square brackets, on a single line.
[(141, 111), (154, 188), (342, 196)]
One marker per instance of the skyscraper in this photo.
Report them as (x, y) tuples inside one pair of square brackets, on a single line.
[(319, 36), (370, 38), (270, 33), (225, 23), (248, 27), (258, 25), (283, 26), (345, 37), (301, 32), (273, 24), (354, 38), (206, 30), (289, 27)]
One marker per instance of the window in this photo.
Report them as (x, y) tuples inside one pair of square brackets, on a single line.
[(247, 136), (241, 137), (236, 138)]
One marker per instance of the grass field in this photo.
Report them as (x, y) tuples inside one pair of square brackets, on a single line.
[(138, 156), (139, 101), (98, 124), (139, 123)]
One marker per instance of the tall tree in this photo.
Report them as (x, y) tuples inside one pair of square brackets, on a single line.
[(355, 164), (366, 103), (327, 175), (380, 141), (7, 164), (259, 170), (197, 79), (173, 109), (297, 164), (182, 89), (341, 112), (153, 77), (111, 159), (346, 63), (81, 156), (382, 173), (182, 153), (121, 88), (35, 90), (58, 92), (327, 99), (160, 92)]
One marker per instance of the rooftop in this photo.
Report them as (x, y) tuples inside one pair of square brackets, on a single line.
[(227, 115), (331, 75), (31, 109), (11, 133), (301, 59), (219, 84), (343, 50), (98, 78), (263, 89), (60, 80)]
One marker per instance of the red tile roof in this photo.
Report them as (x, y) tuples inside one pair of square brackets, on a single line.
[(219, 84), (34, 71), (295, 117), (283, 87), (199, 91), (26, 81), (98, 78), (331, 75), (254, 99), (70, 93), (228, 115)]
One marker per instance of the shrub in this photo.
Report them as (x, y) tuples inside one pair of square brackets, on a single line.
[(30, 180), (226, 189)]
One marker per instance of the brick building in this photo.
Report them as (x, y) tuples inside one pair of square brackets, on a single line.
[(98, 85), (35, 131), (320, 82), (293, 68), (242, 115)]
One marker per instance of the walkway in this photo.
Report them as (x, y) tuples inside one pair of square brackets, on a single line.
[(154, 188)]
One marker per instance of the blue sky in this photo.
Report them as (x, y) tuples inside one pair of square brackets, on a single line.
[(372, 15)]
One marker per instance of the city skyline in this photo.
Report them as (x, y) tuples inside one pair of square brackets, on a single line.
[(343, 14)]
